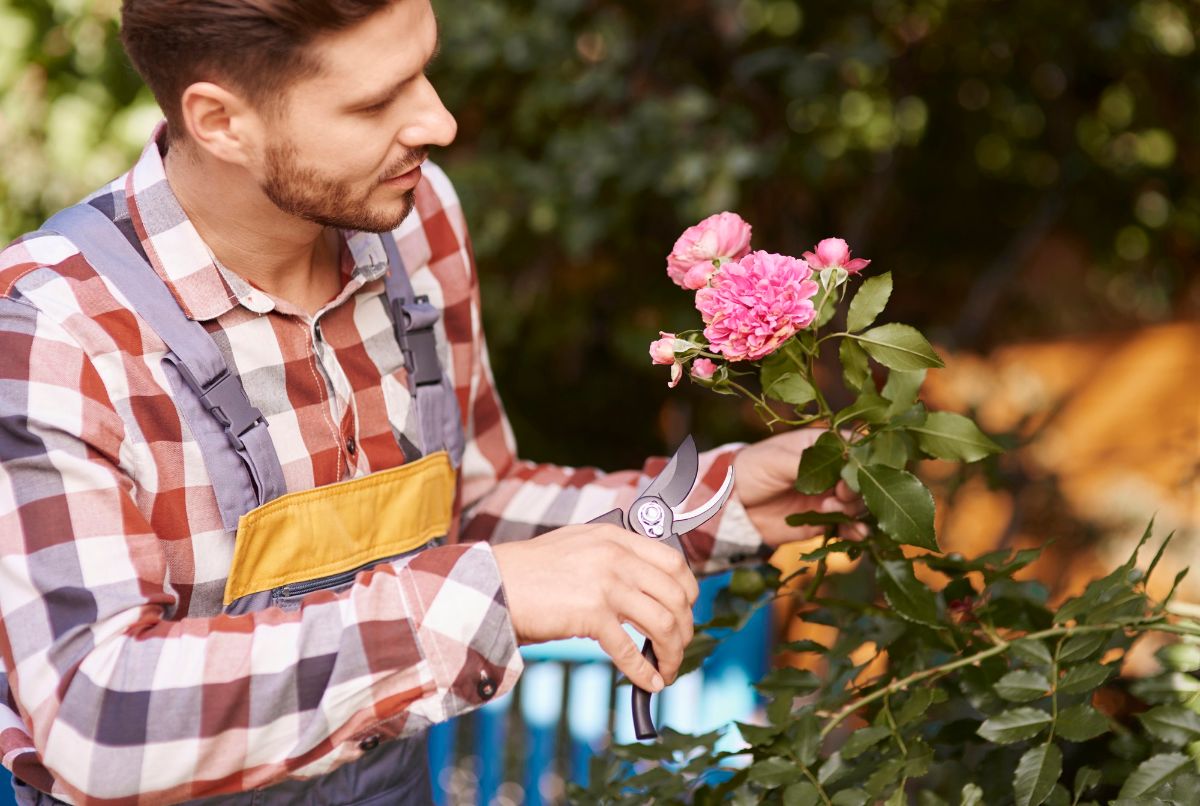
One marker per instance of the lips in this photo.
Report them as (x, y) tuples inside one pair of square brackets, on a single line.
[(409, 178)]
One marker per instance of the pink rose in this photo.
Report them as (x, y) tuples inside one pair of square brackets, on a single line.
[(663, 350), (718, 239), (834, 253), (756, 304), (703, 368)]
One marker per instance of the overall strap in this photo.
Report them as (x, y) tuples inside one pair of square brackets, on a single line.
[(434, 402), (230, 430)]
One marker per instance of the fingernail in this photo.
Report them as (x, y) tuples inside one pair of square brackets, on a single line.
[(657, 683)]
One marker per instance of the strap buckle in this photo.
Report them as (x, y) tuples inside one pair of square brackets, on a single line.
[(414, 330), (225, 398)]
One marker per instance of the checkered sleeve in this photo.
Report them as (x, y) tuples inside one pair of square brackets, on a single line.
[(505, 498), (106, 697)]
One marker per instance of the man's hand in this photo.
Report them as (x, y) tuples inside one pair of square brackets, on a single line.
[(587, 580), (766, 474)]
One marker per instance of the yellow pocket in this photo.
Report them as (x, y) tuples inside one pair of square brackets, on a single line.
[(331, 529)]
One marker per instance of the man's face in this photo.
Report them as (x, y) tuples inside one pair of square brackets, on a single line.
[(343, 148)]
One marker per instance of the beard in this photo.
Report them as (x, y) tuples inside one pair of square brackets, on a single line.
[(307, 193)]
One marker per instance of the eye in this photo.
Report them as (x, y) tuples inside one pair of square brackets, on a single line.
[(375, 109)]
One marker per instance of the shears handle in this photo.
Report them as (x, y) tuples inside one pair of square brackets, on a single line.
[(643, 722)]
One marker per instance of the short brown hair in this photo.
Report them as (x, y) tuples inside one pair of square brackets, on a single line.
[(257, 46)]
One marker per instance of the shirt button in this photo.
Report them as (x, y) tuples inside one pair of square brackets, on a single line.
[(368, 744), (487, 687), (351, 446)]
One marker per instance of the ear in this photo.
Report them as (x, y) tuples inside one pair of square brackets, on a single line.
[(221, 122)]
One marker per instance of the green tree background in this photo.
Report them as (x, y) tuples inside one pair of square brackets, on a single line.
[(945, 139)]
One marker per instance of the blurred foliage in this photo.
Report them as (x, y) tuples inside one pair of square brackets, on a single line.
[(946, 139)]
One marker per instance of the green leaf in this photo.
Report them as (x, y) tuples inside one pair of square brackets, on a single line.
[(855, 369), (833, 770), (1174, 724), (832, 547), (1085, 779), (1059, 796), (1153, 772), (884, 777), (862, 740), (972, 795), (953, 437), (801, 794), (1180, 657), (808, 738), (791, 680), (917, 704), (901, 503), (902, 388), (1081, 647), (1085, 678), (1037, 773), (790, 387), (850, 797), (1032, 651), (1097, 592), (818, 519), (820, 465), (1080, 723), (1014, 725), (869, 302), (907, 595), (892, 449), (774, 772), (756, 735), (899, 347), (1165, 687), (804, 645), (868, 407), (1023, 685)]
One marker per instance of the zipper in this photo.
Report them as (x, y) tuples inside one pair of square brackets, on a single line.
[(308, 586), (345, 577)]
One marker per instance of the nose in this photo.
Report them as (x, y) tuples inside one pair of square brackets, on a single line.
[(432, 124)]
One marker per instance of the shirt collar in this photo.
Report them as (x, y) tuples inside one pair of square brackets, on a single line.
[(204, 289)]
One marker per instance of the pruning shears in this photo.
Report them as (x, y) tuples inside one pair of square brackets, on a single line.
[(656, 515)]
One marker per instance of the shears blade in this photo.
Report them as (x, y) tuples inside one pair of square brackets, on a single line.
[(695, 518), (679, 476)]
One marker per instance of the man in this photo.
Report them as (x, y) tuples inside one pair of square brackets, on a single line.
[(138, 666)]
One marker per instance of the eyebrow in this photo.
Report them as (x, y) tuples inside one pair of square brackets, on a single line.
[(394, 89)]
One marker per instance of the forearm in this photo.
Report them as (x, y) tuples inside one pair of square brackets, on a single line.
[(530, 499), (158, 706)]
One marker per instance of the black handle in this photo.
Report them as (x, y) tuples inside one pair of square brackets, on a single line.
[(643, 724)]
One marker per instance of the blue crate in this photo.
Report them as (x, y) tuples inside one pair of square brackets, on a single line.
[(6, 792)]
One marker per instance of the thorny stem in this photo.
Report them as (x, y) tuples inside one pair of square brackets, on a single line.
[(1054, 689), (815, 582), (891, 720), (820, 789), (761, 401), (1150, 625)]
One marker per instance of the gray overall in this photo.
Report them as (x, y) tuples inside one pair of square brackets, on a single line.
[(246, 474)]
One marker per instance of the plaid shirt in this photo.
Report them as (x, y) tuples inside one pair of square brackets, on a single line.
[(125, 682)]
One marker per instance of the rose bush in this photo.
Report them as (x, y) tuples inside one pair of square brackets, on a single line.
[(950, 680)]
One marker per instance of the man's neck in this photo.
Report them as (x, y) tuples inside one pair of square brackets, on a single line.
[(288, 257)]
